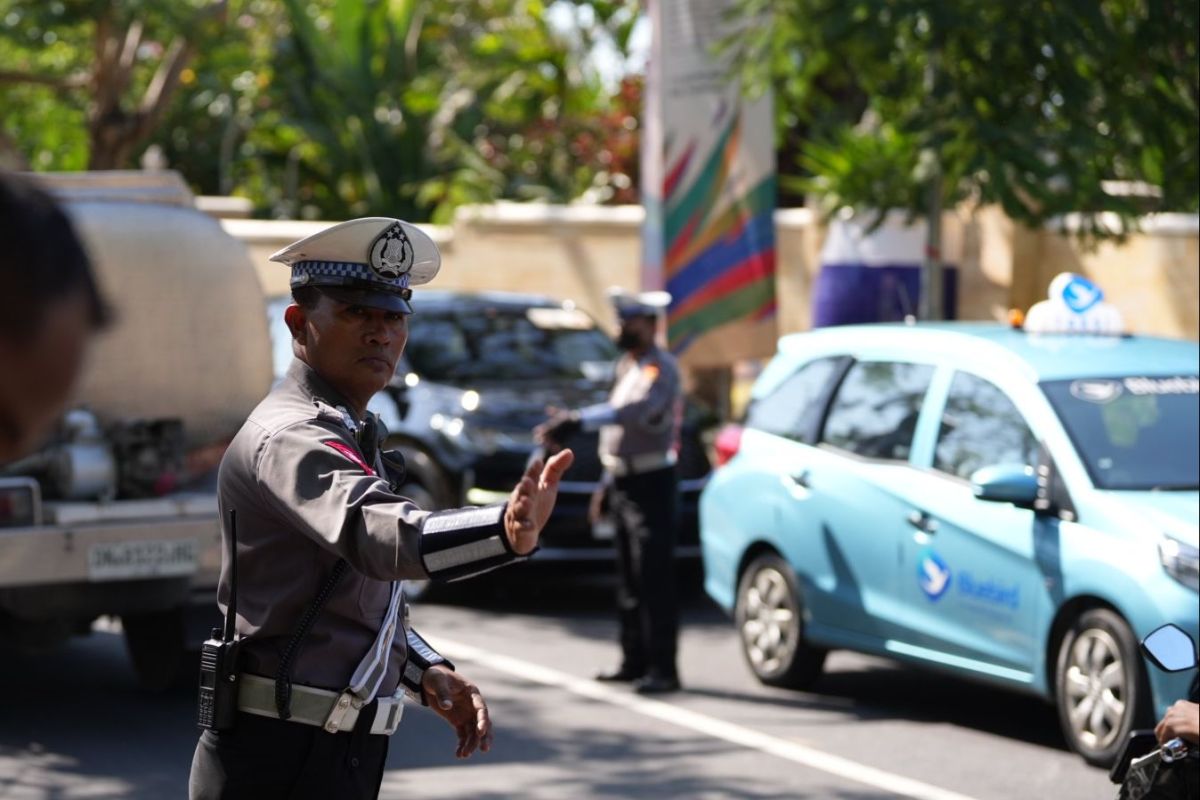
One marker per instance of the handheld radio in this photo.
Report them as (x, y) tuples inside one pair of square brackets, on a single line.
[(219, 657)]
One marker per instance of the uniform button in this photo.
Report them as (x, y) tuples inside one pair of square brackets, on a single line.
[(354, 762)]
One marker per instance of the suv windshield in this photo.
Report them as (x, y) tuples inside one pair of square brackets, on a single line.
[(1135, 433), (508, 343)]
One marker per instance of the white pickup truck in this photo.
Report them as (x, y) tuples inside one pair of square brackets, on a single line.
[(116, 516)]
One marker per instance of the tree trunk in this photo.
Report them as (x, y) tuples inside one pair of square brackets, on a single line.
[(115, 131)]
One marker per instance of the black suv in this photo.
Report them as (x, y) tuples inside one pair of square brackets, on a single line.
[(478, 373)]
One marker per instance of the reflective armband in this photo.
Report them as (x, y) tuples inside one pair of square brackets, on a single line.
[(420, 658), (464, 542)]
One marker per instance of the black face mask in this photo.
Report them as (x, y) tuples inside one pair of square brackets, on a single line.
[(628, 340)]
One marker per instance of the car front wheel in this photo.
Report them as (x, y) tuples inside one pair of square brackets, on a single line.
[(769, 623), (1099, 685)]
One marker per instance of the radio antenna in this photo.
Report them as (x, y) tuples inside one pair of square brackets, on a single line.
[(231, 610)]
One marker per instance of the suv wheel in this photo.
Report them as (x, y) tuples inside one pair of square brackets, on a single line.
[(1100, 689), (768, 618)]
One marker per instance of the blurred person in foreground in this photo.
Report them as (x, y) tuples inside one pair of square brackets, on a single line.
[(639, 445), (324, 541), (49, 309)]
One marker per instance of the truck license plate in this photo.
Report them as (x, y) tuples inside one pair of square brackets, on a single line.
[(113, 561)]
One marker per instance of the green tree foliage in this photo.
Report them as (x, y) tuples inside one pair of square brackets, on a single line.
[(327, 108), (1037, 106), (417, 107), (84, 83)]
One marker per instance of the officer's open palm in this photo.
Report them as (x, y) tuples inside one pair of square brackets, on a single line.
[(459, 702), (530, 504)]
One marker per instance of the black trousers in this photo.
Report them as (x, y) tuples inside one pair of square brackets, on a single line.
[(645, 509), (263, 759)]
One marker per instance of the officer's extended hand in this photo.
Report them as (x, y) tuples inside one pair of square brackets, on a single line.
[(459, 702), (554, 432), (531, 502)]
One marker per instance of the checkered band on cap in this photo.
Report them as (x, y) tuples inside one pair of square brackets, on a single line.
[(305, 273)]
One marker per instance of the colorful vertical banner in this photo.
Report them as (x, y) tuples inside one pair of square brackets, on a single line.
[(708, 187)]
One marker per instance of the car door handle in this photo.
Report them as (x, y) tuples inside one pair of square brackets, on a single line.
[(922, 521)]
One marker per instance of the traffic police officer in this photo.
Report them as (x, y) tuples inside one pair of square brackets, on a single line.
[(324, 541), (639, 443)]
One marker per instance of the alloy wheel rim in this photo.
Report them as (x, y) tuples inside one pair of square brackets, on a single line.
[(768, 630), (1095, 689)]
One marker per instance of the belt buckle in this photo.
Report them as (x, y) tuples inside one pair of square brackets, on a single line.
[(344, 713), (619, 466)]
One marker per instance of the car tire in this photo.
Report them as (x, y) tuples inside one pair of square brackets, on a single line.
[(415, 589), (1100, 687), (769, 619)]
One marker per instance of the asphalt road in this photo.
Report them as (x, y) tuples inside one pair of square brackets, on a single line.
[(73, 722)]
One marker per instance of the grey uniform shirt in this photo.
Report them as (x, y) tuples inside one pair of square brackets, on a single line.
[(305, 497), (647, 402)]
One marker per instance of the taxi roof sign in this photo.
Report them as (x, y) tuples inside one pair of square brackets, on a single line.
[(1074, 305)]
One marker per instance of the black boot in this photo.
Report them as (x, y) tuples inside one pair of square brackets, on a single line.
[(656, 683), (622, 674)]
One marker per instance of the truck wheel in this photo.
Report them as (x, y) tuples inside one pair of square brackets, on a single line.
[(769, 623), (416, 589), (1100, 686), (157, 646)]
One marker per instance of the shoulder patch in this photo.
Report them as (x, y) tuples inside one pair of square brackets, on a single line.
[(352, 454), (650, 371)]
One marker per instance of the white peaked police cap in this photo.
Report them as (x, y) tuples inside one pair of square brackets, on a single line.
[(641, 304), (373, 261)]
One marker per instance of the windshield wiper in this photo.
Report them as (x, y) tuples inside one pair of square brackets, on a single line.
[(1176, 487)]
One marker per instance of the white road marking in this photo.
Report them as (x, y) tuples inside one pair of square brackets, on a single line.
[(700, 723)]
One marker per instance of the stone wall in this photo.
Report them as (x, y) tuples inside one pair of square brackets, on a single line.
[(578, 252)]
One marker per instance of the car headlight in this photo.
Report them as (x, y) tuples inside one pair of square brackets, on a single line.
[(1181, 561), (468, 433)]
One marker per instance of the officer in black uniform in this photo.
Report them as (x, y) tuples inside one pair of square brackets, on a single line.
[(639, 445), (324, 542)]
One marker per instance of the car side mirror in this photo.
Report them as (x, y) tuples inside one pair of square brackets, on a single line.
[(1006, 483), (1170, 648)]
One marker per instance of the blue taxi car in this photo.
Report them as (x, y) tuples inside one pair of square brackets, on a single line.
[(1016, 507)]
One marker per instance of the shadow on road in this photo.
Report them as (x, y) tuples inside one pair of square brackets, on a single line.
[(581, 761), (868, 687), (74, 718)]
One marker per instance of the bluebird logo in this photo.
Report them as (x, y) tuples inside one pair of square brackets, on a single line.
[(932, 574), (1080, 294)]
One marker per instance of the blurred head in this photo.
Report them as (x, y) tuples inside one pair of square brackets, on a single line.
[(49, 309), (637, 332), (638, 315)]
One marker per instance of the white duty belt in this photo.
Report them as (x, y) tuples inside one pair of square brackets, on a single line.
[(338, 711), (323, 708), (637, 464)]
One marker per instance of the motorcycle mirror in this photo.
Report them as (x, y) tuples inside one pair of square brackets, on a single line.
[(1170, 648)]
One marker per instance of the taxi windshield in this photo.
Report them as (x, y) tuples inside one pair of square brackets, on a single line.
[(504, 345), (1133, 433)]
